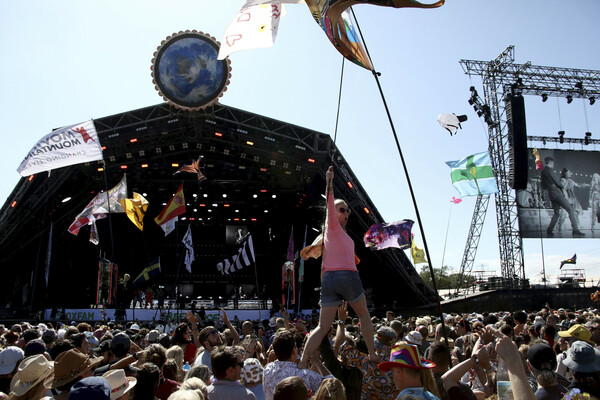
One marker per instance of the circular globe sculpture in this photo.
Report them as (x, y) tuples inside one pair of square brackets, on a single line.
[(186, 72)]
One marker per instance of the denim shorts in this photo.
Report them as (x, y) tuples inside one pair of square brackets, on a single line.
[(340, 285)]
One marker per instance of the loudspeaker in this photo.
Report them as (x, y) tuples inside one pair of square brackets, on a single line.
[(517, 139)]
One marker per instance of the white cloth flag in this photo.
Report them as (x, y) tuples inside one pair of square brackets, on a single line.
[(243, 258), (100, 206), (169, 225), (255, 26), (189, 249), (71, 145)]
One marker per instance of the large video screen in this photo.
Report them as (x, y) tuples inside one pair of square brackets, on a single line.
[(563, 199)]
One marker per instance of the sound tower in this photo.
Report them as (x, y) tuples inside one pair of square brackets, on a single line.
[(517, 139)]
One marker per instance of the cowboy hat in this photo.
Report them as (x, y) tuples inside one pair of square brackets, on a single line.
[(119, 383), (32, 370), (71, 364)]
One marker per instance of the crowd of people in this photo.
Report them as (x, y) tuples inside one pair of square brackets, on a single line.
[(548, 355)]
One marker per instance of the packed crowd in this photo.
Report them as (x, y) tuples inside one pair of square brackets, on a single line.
[(550, 354)]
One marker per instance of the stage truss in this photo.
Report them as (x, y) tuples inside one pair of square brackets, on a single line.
[(501, 77)]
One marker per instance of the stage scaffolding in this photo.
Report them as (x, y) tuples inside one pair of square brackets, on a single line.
[(501, 78)]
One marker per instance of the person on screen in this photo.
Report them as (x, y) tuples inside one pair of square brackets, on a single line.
[(558, 199), (595, 200)]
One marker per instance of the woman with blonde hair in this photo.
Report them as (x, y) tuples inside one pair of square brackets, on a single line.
[(331, 389), (595, 199)]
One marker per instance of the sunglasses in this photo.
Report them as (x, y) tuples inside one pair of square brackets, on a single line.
[(344, 210)]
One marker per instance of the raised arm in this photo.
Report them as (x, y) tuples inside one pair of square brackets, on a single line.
[(234, 332)]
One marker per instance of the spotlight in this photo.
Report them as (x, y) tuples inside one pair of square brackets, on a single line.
[(544, 97), (592, 100), (569, 99), (588, 135), (561, 136)]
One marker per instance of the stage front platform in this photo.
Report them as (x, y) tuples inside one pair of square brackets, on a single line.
[(169, 315)]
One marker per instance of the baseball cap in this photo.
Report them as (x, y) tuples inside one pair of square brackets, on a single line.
[(578, 331), (541, 356), (91, 388), (9, 357)]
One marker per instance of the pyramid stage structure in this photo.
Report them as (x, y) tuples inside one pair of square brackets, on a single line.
[(263, 176)]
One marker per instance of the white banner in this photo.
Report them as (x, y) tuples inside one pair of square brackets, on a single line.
[(71, 145)]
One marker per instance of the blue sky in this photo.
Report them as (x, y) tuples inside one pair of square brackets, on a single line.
[(69, 61)]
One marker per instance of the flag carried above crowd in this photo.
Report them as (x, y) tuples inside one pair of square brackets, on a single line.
[(256, 25), (170, 214), (66, 146), (473, 175)]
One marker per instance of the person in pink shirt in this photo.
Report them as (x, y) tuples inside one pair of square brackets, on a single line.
[(339, 276)]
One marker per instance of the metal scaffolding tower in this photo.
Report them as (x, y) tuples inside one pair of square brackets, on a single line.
[(501, 77)]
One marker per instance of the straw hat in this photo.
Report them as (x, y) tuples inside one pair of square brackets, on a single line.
[(33, 370), (119, 383), (71, 364)]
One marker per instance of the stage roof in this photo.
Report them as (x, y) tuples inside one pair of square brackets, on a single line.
[(262, 174)]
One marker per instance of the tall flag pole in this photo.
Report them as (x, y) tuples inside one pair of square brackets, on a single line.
[(301, 270)]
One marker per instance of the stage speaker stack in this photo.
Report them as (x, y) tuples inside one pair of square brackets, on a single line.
[(517, 139)]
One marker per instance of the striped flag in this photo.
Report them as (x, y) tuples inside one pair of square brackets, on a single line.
[(243, 258), (473, 175), (189, 249)]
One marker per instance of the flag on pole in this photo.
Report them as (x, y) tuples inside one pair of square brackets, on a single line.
[(243, 258), (572, 260), (417, 253), (150, 272), (175, 207), (473, 175), (49, 253), (136, 209), (74, 144), (301, 267), (189, 249), (254, 26), (392, 234), (193, 168), (290, 250), (100, 206)]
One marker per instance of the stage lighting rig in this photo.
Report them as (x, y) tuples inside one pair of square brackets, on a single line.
[(544, 97), (569, 99), (561, 136), (592, 100), (586, 140)]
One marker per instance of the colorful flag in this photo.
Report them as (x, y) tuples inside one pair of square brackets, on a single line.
[(337, 23), (455, 200), (100, 206), (193, 168), (243, 258), (301, 267), (392, 234), (254, 26), (74, 144), (572, 260), (150, 272), (136, 209), (473, 175), (189, 249), (175, 207), (417, 253)]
